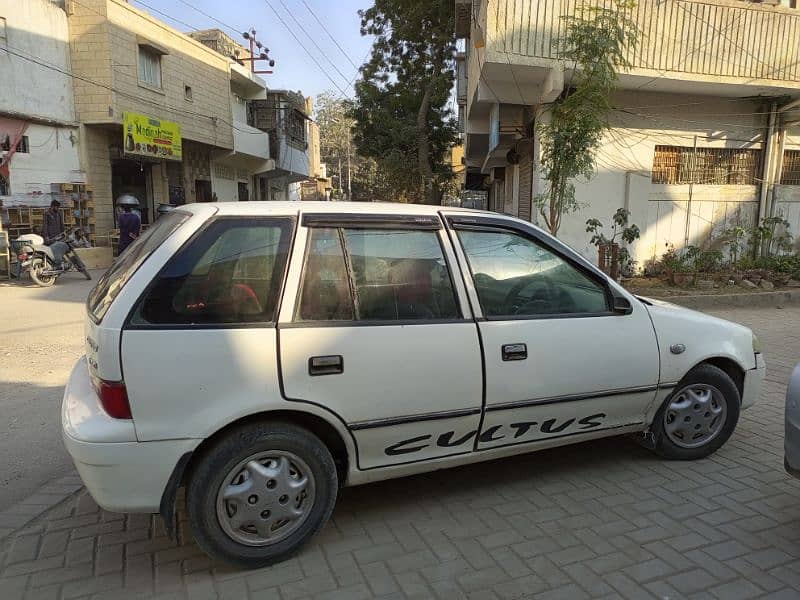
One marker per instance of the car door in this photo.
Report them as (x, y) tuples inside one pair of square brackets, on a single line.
[(200, 346), (380, 334), (560, 361)]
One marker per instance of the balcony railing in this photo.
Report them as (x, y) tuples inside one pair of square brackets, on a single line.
[(722, 38)]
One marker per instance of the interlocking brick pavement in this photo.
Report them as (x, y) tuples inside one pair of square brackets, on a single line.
[(603, 519)]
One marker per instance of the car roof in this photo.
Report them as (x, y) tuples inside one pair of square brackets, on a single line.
[(286, 208)]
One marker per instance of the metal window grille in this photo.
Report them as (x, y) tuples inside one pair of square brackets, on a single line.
[(717, 166), (790, 174)]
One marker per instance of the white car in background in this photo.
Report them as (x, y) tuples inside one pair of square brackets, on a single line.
[(263, 355)]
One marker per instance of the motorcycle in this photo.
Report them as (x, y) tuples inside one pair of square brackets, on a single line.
[(46, 263)]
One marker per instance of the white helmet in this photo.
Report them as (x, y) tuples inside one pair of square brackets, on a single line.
[(128, 200)]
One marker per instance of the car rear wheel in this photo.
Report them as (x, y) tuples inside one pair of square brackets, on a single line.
[(260, 493), (699, 416)]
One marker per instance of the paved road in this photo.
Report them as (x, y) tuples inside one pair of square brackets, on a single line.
[(41, 330), (604, 519)]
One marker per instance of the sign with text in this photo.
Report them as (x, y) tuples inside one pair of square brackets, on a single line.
[(145, 136)]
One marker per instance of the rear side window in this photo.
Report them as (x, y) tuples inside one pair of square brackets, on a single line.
[(230, 273), (375, 275), (110, 284)]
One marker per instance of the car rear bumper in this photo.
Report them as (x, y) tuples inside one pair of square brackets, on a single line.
[(121, 474), (752, 382), (791, 444)]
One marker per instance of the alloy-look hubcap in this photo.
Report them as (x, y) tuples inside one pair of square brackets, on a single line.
[(265, 498), (695, 415)]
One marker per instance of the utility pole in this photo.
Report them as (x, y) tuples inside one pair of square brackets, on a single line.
[(349, 179), (263, 53)]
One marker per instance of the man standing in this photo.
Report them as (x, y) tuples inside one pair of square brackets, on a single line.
[(130, 224), (53, 223)]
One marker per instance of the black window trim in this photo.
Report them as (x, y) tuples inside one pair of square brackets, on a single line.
[(372, 221), (355, 221), (129, 325), (493, 224), (90, 312)]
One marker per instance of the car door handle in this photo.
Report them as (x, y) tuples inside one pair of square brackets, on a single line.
[(515, 352), (326, 365)]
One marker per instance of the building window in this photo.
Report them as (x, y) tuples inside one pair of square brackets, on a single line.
[(4, 187), (22, 145), (187, 92), (296, 127), (790, 174), (149, 66), (715, 166)]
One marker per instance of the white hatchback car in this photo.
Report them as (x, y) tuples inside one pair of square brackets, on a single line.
[(263, 355)]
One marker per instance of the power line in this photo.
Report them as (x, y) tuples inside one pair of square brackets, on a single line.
[(163, 14), (230, 28), (38, 61), (311, 56), (333, 39), (313, 41)]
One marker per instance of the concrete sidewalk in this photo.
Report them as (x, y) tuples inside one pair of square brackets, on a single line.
[(602, 519)]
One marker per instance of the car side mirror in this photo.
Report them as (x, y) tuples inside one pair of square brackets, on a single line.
[(622, 306)]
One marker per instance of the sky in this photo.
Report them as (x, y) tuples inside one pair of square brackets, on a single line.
[(294, 68)]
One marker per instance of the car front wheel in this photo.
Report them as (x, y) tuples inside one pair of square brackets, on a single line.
[(260, 493), (699, 416)]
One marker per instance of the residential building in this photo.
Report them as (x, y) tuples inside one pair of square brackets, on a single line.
[(153, 105), (704, 132), (233, 172), (39, 137), (293, 170), (286, 117)]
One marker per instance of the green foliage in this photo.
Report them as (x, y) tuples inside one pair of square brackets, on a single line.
[(735, 242), (620, 229), (772, 235), (401, 117), (595, 42), (369, 182), (691, 259), (787, 264)]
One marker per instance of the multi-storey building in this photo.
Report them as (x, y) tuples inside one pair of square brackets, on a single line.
[(39, 137), (704, 132)]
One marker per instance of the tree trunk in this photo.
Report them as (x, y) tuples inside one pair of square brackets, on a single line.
[(427, 193)]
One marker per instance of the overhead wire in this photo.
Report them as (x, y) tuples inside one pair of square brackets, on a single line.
[(307, 51), (333, 39)]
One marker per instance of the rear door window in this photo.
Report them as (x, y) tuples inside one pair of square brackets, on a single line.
[(110, 284), (230, 273), (376, 275)]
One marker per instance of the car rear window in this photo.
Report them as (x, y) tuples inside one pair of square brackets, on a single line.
[(131, 259)]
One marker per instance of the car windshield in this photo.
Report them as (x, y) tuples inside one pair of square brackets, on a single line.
[(126, 264)]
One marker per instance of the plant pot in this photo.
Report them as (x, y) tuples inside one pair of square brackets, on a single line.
[(684, 279)]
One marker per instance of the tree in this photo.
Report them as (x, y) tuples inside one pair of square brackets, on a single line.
[(363, 177), (595, 41), (401, 115)]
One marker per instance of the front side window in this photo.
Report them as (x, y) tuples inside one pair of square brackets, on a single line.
[(516, 277), (376, 275), (231, 273), (149, 66)]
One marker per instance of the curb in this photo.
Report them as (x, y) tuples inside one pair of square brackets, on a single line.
[(761, 299), (45, 498)]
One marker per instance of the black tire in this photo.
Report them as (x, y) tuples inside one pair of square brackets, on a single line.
[(708, 375), (215, 463), (38, 265)]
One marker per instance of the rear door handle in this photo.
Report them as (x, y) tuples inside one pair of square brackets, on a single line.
[(515, 351), (325, 365)]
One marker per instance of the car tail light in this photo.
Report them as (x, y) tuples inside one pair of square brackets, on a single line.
[(114, 398)]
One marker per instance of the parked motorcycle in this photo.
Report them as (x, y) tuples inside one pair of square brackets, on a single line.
[(46, 263)]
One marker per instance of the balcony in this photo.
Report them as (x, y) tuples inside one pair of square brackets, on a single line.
[(715, 47), (251, 142), (291, 158)]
